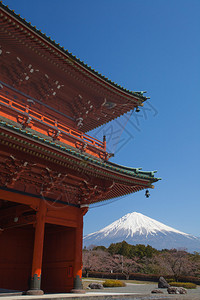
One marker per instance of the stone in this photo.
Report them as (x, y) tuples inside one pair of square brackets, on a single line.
[(162, 283), (176, 290), (34, 292), (95, 286), (157, 291)]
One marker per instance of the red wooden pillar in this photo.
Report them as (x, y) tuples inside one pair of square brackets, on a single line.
[(35, 281), (78, 287)]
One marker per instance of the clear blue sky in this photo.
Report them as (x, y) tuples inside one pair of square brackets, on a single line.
[(141, 45)]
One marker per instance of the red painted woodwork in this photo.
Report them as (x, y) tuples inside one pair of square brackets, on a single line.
[(31, 117), (58, 259), (50, 170), (40, 69), (39, 240), (16, 253), (61, 251), (69, 182)]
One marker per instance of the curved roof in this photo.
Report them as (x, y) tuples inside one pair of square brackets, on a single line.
[(86, 96), (137, 95), (119, 169)]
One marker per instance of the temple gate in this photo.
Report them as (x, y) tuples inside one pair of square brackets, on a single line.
[(50, 169)]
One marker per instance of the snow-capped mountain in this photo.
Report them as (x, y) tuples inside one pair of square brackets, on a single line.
[(135, 228)]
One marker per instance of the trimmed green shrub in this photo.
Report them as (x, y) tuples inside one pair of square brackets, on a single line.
[(192, 279), (105, 275), (140, 276), (186, 285), (113, 283), (169, 280)]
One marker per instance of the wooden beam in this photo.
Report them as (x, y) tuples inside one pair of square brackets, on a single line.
[(19, 198)]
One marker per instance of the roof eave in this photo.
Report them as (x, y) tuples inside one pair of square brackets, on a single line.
[(134, 95)]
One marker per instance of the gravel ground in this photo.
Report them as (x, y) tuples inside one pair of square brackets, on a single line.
[(132, 291), (145, 289)]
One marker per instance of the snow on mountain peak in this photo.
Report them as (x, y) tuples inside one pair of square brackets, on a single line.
[(137, 223), (135, 228)]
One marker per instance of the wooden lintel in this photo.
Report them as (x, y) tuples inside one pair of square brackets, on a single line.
[(19, 198), (60, 221)]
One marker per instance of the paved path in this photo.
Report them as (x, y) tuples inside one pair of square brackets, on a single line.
[(131, 291), (145, 290)]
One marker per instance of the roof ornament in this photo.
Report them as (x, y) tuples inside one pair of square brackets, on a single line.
[(137, 170), (25, 122), (56, 134), (141, 92), (30, 102), (147, 194), (137, 109), (104, 102), (108, 104), (79, 122), (109, 155)]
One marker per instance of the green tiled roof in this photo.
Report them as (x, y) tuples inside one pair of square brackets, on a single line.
[(133, 172), (138, 95)]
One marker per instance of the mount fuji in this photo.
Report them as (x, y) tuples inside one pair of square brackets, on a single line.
[(135, 228)]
